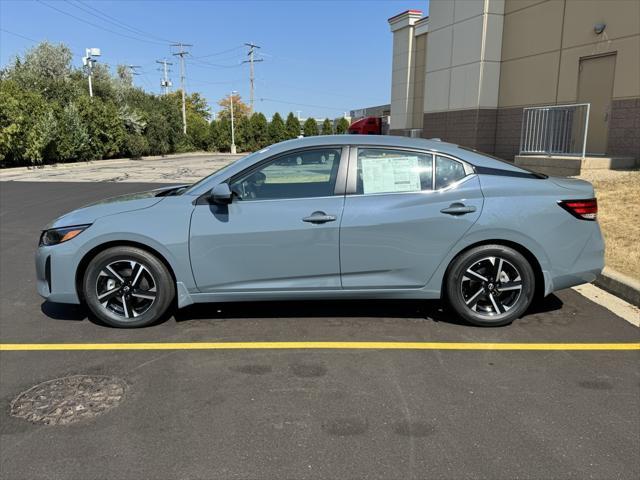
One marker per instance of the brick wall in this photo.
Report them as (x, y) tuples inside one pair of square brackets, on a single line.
[(624, 128), (508, 126), (473, 128)]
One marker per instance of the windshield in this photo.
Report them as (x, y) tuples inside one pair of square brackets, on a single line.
[(215, 172)]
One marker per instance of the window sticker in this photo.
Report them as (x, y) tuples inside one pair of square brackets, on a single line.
[(389, 175)]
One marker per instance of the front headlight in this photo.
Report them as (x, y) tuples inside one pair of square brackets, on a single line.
[(59, 235)]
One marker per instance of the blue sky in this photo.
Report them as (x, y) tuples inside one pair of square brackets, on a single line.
[(322, 57)]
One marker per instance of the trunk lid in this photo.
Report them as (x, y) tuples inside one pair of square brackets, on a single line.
[(578, 187)]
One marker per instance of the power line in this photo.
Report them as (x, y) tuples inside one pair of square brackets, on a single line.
[(205, 82), (97, 25), (19, 35), (203, 64), (220, 53), (181, 53), (122, 24), (251, 60), (103, 18)]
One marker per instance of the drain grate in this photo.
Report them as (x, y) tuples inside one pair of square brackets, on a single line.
[(69, 399)]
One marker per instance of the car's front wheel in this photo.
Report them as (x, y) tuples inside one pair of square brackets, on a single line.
[(490, 285), (128, 287)]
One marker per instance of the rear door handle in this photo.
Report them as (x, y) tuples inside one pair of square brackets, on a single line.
[(458, 209), (319, 217)]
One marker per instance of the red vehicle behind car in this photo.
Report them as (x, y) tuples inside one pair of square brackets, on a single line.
[(366, 126)]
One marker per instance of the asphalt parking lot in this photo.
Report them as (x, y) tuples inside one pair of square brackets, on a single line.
[(313, 412)]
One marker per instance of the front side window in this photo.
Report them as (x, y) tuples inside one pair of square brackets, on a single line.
[(310, 173), (393, 171), (448, 171)]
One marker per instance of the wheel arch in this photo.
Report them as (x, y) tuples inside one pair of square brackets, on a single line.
[(84, 262), (524, 251)]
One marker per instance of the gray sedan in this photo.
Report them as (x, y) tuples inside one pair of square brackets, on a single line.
[(331, 217)]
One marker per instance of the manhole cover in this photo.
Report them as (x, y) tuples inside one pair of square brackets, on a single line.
[(69, 399)]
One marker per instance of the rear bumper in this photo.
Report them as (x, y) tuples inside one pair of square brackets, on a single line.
[(588, 264), (56, 273)]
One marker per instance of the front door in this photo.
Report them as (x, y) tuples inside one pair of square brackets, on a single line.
[(595, 86), (403, 219), (281, 231)]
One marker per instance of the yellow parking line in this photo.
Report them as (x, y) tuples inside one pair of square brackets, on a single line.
[(6, 347)]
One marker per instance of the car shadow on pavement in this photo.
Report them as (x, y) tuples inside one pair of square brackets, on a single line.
[(433, 310), (63, 311)]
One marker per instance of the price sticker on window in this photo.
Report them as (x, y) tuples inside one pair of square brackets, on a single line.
[(390, 175)]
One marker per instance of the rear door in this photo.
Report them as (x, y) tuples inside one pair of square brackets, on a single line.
[(403, 212)]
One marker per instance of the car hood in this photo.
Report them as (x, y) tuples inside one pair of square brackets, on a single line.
[(111, 206)]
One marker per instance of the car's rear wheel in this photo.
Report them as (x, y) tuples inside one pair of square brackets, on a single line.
[(128, 287), (490, 285)]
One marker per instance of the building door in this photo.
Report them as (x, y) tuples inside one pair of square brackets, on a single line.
[(595, 86)]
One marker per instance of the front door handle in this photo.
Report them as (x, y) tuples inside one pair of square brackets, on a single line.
[(319, 217), (458, 209)]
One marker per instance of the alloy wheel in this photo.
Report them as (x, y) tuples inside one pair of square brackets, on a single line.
[(491, 286), (126, 288)]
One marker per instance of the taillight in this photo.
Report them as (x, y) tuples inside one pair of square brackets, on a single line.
[(582, 209)]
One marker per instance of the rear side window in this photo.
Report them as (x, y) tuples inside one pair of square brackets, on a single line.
[(448, 171), (393, 171)]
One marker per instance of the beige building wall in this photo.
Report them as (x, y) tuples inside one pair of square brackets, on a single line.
[(403, 65), (463, 54), (543, 42), (542, 46), (467, 79)]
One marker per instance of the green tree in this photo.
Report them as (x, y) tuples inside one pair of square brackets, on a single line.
[(44, 68), (244, 138), (327, 127), (125, 75), (136, 145), (46, 114), (72, 142), (277, 130), (310, 127), (213, 136), (342, 126), (223, 137), (259, 131), (293, 126), (24, 133)]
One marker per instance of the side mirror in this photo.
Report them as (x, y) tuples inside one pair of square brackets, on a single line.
[(221, 194)]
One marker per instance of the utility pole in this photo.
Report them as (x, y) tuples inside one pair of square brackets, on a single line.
[(233, 136), (88, 60), (251, 61), (133, 71), (165, 83), (181, 53)]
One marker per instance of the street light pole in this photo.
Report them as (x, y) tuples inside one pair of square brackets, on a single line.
[(233, 137), (88, 62)]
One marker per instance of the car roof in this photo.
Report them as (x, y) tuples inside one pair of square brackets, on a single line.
[(434, 145)]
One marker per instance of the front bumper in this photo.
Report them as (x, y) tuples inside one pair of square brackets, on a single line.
[(56, 268)]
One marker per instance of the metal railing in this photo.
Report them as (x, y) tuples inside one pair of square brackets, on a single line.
[(555, 129)]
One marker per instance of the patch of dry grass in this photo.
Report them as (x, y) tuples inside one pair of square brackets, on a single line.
[(618, 196)]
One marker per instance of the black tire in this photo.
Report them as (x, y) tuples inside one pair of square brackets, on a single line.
[(147, 294), (492, 301)]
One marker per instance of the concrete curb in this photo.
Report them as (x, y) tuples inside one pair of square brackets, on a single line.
[(620, 285)]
